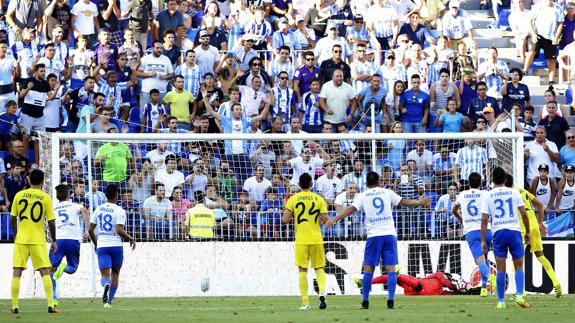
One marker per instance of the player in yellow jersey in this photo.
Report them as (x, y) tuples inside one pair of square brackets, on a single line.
[(310, 212), (29, 210), (537, 229)]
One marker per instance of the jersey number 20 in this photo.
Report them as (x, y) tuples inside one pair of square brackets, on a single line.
[(32, 211), (312, 212)]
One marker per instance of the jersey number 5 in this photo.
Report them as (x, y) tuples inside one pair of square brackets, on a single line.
[(32, 209), (312, 212)]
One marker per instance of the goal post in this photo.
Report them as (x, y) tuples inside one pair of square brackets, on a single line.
[(429, 238)]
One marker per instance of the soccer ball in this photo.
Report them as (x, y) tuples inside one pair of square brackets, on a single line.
[(460, 283), (205, 284)]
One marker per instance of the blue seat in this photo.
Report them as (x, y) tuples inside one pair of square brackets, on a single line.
[(539, 61), (192, 32), (6, 228)]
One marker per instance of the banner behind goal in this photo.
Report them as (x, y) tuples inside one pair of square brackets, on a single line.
[(246, 180)]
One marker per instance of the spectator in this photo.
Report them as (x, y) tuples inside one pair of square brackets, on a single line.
[(414, 105), (170, 18), (438, 57), (325, 46), (35, 91), (423, 159), (171, 50), (134, 219), (540, 151), (256, 69), (26, 52), (79, 195), (304, 75), (213, 201), (329, 66), (361, 70), (310, 110), (357, 33), (141, 182), (61, 50), (567, 152), (439, 94), (260, 28), (169, 176), (495, 72), (357, 176), (158, 156), (116, 161), (471, 158), (305, 37), (467, 87), (158, 214), (245, 52), (335, 97), (225, 181), (207, 56), (58, 20), (95, 196), (281, 64), (416, 31), (521, 30), (463, 62), (79, 66), (256, 186), (180, 101), (264, 155), (565, 192), (8, 119), (342, 201), (140, 14), (155, 71), (451, 120), (328, 185), (197, 180), (8, 68), (14, 183), (85, 20), (218, 36), (449, 226), (395, 148), (112, 89), (482, 103), (23, 14), (410, 223), (391, 71), (383, 24), (544, 188), (104, 52), (443, 166), (283, 37), (227, 71), (555, 125), (546, 24), (515, 92), (528, 124), (102, 124), (456, 25)]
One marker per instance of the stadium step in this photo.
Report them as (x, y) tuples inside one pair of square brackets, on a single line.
[(470, 4), (480, 18), (498, 42), (487, 33)]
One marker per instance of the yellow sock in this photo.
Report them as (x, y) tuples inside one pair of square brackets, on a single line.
[(320, 276), (548, 269), (15, 291), (303, 287), (48, 289)]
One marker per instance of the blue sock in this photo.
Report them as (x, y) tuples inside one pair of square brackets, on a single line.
[(54, 288), (105, 281), (501, 286), (520, 281), (70, 269), (391, 284), (366, 288), (111, 294), (484, 269)]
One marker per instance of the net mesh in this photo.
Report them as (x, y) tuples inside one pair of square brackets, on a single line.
[(248, 191)]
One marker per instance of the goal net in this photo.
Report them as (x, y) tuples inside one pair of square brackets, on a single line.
[(246, 180)]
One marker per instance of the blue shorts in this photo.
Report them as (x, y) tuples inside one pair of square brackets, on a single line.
[(381, 247), (474, 241), (504, 240), (66, 248), (110, 257)]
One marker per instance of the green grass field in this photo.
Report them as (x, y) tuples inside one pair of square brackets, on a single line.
[(285, 309)]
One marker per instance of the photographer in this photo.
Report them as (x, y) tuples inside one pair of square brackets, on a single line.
[(198, 179)]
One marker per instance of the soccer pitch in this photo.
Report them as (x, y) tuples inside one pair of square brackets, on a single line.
[(285, 309)]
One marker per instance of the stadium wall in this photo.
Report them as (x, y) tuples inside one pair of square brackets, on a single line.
[(266, 268)]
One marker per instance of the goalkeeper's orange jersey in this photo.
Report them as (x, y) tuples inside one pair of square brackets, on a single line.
[(307, 208)]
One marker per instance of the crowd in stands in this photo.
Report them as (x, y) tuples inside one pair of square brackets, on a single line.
[(278, 66)]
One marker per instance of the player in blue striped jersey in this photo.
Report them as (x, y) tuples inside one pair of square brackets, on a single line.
[(191, 73), (110, 220), (311, 113), (501, 207), (466, 209)]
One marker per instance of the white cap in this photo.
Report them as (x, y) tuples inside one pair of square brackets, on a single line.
[(299, 18), (454, 4)]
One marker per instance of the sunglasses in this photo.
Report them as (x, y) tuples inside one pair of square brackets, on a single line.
[(571, 137), (391, 57), (309, 59), (256, 64), (361, 51), (337, 51), (284, 78), (480, 121)]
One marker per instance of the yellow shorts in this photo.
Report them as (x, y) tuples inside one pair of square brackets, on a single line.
[(39, 255), (306, 252), (535, 240)]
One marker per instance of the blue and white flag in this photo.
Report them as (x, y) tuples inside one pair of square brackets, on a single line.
[(561, 226)]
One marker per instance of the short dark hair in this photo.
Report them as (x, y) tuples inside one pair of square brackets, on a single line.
[(179, 76), (284, 47), (112, 191), (36, 177), (168, 31), (199, 196), (372, 179), (508, 180), (415, 76), (52, 76), (474, 180), (305, 181), (529, 108), (98, 94), (498, 176), (40, 65), (154, 91), (62, 192)]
